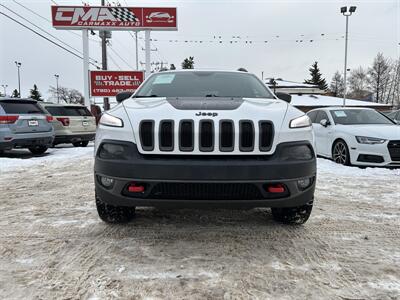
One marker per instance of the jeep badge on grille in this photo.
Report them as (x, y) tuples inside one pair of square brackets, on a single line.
[(207, 114)]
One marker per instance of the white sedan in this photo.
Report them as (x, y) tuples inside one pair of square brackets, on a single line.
[(356, 136)]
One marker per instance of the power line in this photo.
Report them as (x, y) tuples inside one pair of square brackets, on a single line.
[(49, 21), (113, 60), (56, 38), (46, 38), (116, 53)]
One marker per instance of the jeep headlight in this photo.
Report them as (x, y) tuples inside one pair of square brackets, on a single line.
[(369, 140), (109, 120), (300, 122)]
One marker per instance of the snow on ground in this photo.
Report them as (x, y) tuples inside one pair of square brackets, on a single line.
[(53, 245), (19, 159)]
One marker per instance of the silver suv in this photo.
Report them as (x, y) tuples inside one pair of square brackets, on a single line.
[(25, 124), (73, 123)]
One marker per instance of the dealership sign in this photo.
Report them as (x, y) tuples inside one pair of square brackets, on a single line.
[(110, 83), (114, 17)]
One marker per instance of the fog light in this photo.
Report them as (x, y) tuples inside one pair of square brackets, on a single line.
[(106, 181), (304, 183)]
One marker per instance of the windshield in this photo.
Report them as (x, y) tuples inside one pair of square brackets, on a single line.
[(358, 116), (204, 84)]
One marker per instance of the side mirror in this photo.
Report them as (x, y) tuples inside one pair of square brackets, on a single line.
[(325, 122), (284, 96), (123, 96)]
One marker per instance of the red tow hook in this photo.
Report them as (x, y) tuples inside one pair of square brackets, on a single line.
[(276, 188), (136, 188)]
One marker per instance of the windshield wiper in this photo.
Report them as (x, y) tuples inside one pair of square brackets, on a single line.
[(151, 96), (211, 95), (34, 112)]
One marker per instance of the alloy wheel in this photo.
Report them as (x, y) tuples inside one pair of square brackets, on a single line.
[(340, 153)]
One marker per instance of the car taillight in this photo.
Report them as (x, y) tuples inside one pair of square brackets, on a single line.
[(8, 119), (49, 118), (64, 121)]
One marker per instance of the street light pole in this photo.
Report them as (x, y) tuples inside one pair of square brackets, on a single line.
[(18, 64), (5, 89), (343, 10), (58, 95)]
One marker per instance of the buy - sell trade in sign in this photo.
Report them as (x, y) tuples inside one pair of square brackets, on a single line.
[(110, 83)]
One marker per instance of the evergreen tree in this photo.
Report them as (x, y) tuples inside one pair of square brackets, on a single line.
[(15, 94), (316, 77), (35, 94), (172, 67), (188, 63)]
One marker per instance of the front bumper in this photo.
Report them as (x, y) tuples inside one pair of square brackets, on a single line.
[(374, 155), (72, 138), (205, 180)]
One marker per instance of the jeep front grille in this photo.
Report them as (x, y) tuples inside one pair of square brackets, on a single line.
[(206, 135)]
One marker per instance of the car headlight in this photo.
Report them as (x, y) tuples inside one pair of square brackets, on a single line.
[(303, 121), (109, 120), (369, 140)]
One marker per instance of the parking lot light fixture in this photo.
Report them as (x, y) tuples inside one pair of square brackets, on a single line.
[(18, 65), (347, 14), (58, 95)]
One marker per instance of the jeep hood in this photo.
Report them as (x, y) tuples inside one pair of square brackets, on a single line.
[(187, 108)]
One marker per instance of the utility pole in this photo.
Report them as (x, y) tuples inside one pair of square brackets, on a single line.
[(103, 35), (4, 86), (18, 64), (347, 14), (58, 93), (137, 50)]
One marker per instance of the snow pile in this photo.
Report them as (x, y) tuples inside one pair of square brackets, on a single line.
[(20, 159), (327, 167)]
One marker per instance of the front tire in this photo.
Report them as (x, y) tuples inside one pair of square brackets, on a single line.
[(114, 214), (341, 153), (38, 149), (292, 215)]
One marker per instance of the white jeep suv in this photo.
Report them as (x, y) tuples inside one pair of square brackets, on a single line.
[(204, 138)]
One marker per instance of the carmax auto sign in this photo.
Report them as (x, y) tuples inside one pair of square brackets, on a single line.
[(114, 18)]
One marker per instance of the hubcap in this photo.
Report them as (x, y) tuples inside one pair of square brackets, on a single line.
[(340, 153)]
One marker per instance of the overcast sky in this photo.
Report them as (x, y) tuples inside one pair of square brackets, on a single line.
[(375, 27)]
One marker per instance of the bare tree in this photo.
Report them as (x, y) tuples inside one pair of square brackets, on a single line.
[(337, 85), (393, 96), (67, 95), (379, 78), (358, 83)]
